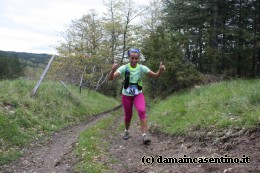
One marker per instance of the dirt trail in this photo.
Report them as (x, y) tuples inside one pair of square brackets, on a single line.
[(55, 156), (129, 153), (126, 155)]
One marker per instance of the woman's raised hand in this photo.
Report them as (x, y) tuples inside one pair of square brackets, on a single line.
[(115, 65), (162, 67)]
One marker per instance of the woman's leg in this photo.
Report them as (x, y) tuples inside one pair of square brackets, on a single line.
[(127, 102), (139, 102)]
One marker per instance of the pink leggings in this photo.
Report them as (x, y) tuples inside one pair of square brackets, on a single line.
[(139, 103)]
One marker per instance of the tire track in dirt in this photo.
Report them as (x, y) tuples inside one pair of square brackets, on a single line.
[(55, 156)]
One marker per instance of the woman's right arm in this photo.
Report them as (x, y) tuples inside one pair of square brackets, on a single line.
[(113, 74)]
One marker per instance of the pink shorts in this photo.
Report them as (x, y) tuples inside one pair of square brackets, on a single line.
[(138, 101)]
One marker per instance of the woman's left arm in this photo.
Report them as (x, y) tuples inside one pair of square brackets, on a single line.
[(158, 73)]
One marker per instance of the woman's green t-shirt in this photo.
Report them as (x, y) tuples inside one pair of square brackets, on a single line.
[(135, 74)]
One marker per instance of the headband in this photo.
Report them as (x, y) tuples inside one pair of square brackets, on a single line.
[(133, 51)]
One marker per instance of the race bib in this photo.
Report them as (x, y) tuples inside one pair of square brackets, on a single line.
[(132, 89)]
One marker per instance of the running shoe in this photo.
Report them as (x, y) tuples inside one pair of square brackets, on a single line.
[(146, 140), (126, 135)]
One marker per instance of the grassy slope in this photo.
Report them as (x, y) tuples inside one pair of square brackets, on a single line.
[(90, 152), (219, 105), (24, 118)]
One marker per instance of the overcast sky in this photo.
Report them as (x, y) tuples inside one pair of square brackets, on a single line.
[(34, 25)]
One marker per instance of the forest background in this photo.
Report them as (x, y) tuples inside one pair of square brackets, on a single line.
[(198, 41)]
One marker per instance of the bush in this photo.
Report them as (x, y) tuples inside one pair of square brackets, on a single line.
[(178, 75), (10, 68)]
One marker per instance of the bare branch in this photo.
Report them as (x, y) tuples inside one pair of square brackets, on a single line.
[(97, 86)]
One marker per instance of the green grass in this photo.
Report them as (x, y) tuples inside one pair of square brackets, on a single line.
[(24, 119), (220, 105), (91, 148)]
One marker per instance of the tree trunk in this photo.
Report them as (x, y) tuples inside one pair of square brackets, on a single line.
[(215, 25), (255, 58), (125, 32), (238, 65), (200, 50)]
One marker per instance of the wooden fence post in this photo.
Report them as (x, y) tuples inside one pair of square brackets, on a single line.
[(42, 76)]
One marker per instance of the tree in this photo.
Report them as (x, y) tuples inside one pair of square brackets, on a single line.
[(163, 46), (10, 68), (220, 35), (81, 48), (255, 15)]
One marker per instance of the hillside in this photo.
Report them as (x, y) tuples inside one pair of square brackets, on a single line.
[(224, 105), (190, 130), (24, 119), (27, 59), (220, 120)]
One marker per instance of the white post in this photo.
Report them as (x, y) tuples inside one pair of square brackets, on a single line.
[(42, 76)]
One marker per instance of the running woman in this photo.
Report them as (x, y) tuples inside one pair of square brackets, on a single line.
[(132, 91)]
